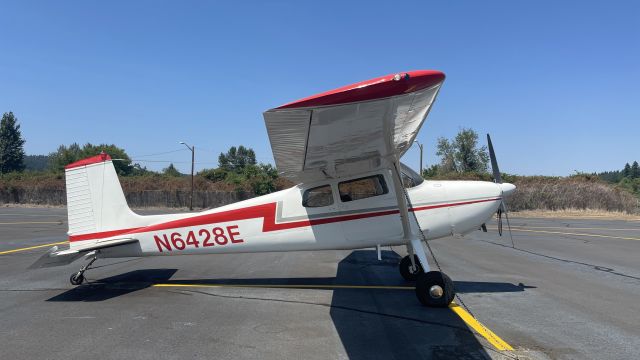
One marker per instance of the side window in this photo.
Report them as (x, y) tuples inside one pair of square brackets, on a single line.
[(362, 188), (318, 196)]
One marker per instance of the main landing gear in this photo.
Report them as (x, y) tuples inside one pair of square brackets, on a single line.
[(433, 288), (78, 278), (410, 270)]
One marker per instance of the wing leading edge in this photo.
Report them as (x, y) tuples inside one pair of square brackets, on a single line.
[(353, 128)]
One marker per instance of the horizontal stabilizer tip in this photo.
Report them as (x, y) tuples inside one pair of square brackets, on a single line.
[(53, 257)]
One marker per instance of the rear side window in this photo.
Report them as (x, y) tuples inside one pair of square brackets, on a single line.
[(318, 196), (362, 188)]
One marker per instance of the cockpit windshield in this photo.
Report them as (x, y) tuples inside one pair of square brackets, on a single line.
[(410, 178)]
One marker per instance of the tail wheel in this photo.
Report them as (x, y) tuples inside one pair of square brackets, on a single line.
[(76, 278), (435, 289), (406, 269)]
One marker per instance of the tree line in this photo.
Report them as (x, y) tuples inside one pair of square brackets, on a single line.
[(11, 144), (237, 166), (460, 157), (628, 171), (627, 178)]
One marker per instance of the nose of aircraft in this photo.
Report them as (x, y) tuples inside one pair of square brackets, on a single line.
[(507, 189)]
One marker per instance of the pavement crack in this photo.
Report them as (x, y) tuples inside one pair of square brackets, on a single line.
[(361, 311), (595, 267), (332, 306)]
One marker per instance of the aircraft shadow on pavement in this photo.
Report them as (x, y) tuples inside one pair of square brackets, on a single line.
[(387, 324), (371, 323), (114, 286)]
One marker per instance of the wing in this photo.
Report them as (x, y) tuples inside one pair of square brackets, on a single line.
[(351, 129)]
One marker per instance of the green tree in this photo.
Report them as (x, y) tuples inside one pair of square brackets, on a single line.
[(635, 170), (214, 175), (171, 171), (236, 159), (462, 153), (36, 162), (66, 155), (431, 171), (626, 172), (238, 167), (139, 170), (446, 151), (261, 178), (11, 144)]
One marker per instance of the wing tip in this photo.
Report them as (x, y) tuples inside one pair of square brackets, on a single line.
[(376, 88)]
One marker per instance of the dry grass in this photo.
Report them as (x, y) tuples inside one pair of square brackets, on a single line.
[(575, 214), (549, 193), (571, 193), (577, 195)]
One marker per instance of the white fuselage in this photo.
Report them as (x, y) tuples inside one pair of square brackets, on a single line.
[(280, 222)]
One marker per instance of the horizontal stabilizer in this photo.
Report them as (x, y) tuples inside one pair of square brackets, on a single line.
[(53, 257)]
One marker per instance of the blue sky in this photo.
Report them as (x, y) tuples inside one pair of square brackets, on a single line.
[(555, 83)]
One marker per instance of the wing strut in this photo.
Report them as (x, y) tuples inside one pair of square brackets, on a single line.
[(414, 245)]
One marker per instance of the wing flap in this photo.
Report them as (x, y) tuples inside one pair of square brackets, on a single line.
[(288, 133)]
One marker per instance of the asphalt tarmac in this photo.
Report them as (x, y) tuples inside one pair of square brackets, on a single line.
[(569, 290)]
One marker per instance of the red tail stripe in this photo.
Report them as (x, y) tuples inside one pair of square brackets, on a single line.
[(88, 161), (266, 211)]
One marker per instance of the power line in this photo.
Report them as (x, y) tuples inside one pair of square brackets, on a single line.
[(161, 153), (175, 162)]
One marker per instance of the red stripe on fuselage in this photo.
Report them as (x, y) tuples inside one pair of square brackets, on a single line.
[(265, 211), (101, 235)]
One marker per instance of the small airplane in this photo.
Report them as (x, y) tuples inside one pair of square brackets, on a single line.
[(343, 149)]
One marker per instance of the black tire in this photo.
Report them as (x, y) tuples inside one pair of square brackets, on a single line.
[(405, 268), (76, 278), (424, 284)]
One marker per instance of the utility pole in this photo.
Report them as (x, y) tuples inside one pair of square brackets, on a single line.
[(420, 146), (193, 158)]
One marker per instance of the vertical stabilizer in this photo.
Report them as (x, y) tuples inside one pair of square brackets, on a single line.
[(96, 205)]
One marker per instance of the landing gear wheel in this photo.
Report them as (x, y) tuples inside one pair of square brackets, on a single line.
[(76, 278), (435, 289), (406, 268)]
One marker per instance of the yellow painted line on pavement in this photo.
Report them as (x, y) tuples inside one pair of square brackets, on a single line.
[(575, 228), (575, 234), (491, 337), (31, 247), (579, 217), (289, 286), (31, 222), (28, 215)]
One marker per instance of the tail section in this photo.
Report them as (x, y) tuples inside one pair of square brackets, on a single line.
[(96, 205)]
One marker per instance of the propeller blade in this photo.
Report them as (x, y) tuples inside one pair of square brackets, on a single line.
[(494, 162), (508, 188)]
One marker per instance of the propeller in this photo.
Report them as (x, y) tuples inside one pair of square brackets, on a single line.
[(505, 189)]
